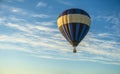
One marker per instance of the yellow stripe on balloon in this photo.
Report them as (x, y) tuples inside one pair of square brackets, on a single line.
[(73, 18)]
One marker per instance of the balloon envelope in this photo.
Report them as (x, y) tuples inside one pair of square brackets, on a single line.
[(74, 25)]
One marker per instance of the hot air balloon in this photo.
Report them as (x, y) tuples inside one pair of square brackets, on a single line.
[(74, 24)]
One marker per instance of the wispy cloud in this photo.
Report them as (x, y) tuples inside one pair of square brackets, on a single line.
[(65, 2), (46, 23), (40, 15), (16, 10), (41, 4)]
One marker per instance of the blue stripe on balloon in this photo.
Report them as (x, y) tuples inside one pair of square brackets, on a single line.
[(82, 32), (77, 31), (77, 11), (71, 30), (69, 11), (86, 31), (66, 33)]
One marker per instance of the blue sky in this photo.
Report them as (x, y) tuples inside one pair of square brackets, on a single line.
[(30, 42)]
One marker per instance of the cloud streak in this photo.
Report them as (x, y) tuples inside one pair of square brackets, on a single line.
[(41, 4), (65, 2), (40, 15)]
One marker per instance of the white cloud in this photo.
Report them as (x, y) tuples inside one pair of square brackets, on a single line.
[(43, 28), (13, 18), (15, 10), (41, 4), (65, 2), (104, 35), (17, 26), (40, 15), (46, 23)]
